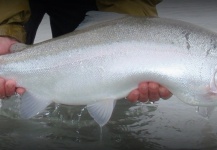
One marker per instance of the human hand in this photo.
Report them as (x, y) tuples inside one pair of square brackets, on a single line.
[(149, 91), (8, 87), (5, 44)]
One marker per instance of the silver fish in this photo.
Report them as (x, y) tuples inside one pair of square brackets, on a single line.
[(101, 63)]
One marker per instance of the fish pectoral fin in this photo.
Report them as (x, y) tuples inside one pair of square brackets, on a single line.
[(32, 104), (101, 111), (205, 111)]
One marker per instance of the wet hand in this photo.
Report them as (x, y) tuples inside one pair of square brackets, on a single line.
[(149, 91), (8, 87)]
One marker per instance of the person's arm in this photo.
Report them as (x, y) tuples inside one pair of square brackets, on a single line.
[(8, 87), (14, 14), (132, 7)]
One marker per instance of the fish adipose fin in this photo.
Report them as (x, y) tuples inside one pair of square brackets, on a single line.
[(32, 104), (101, 111)]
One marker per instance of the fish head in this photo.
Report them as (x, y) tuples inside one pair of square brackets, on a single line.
[(201, 89), (208, 95)]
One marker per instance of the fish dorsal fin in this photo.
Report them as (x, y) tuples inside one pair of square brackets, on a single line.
[(32, 104), (96, 17), (101, 111)]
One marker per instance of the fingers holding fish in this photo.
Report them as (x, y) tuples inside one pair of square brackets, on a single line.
[(133, 96), (20, 90), (5, 44), (2, 88), (164, 93), (153, 91), (139, 94), (8, 88), (149, 91), (143, 90), (11, 88)]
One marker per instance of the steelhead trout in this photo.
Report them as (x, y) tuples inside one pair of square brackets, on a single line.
[(101, 63)]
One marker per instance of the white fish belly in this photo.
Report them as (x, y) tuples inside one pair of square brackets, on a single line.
[(106, 72)]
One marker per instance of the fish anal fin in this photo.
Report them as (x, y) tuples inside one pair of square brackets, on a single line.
[(101, 111), (32, 105)]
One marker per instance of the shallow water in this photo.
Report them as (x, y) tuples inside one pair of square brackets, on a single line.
[(69, 127), (167, 124), (164, 125)]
